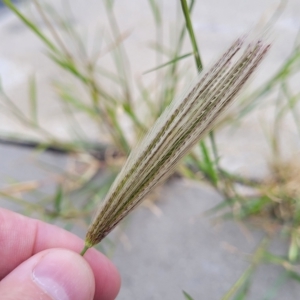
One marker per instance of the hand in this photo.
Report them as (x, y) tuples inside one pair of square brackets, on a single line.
[(41, 261)]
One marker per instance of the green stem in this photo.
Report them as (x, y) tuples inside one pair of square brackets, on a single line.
[(257, 258), (31, 25), (85, 248), (199, 65), (190, 29)]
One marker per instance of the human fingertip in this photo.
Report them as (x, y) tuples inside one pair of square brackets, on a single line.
[(64, 275)]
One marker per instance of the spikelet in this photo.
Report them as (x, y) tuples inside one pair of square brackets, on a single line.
[(183, 123)]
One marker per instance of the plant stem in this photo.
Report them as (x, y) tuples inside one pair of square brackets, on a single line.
[(51, 29), (199, 65), (85, 248), (189, 27), (31, 25), (257, 258)]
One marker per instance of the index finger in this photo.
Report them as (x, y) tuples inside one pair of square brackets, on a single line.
[(22, 237)]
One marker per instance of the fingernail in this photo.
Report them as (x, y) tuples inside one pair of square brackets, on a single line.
[(50, 278)]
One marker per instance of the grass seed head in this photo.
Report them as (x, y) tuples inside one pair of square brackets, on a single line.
[(183, 123)]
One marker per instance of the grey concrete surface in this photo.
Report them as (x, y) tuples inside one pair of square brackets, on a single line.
[(23, 165), (182, 250), (168, 246)]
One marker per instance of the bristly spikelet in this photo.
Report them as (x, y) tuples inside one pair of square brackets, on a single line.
[(182, 124)]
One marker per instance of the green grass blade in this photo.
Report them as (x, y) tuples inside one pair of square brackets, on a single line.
[(190, 29), (284, 72), (69, 66), (198, 61), (292, 101), (156, 11), (124, 145), (248, 273), (187, 296), (175, 60), (119, 55), (209, 164), (242, 293), (293, 252), (31, 25), (252, 206), (22, 202), (239, 283), (51, 29), (222, 205), (33, 99), (58, 198), (76, 103), (272, 292), (133, 117), (271, 258), (170, 89), (294, 276)]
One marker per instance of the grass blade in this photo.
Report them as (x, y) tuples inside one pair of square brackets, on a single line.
[(174, 60), (190, 29), (33, 99), (31, 25), (257, 257), (187, 296)]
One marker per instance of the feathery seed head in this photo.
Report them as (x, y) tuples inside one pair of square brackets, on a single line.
[(184, 122)]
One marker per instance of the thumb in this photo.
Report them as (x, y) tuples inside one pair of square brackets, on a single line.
[(55, 274)]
